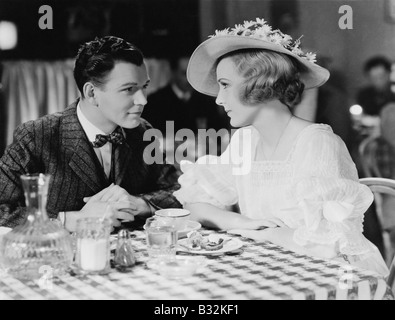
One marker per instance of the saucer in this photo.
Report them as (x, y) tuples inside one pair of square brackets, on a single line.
[(191, 226), (230, 244)]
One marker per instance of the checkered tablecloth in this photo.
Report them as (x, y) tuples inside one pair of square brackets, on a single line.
[(261, 271)]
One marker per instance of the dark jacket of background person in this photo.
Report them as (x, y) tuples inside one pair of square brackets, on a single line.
[(373, 101), (199, 112), (378, 93), (3, 117), (332, 109), (56, 144)]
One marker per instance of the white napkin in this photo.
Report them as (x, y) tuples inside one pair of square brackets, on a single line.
[(4, 230)]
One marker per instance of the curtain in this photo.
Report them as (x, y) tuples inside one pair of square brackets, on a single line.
[(33, 89)]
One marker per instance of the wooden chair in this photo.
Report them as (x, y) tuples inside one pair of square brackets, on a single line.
[(381, 186), (377, 157), (391, 277)]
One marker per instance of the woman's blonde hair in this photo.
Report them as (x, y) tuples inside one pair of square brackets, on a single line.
[(268, 75)]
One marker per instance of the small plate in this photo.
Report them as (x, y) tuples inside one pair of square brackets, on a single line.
[(231, 244), (191, 226)]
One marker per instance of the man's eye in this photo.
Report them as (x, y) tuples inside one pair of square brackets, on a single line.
[(224, 85)]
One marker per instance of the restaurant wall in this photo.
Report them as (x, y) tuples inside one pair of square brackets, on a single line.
[(373, 33)]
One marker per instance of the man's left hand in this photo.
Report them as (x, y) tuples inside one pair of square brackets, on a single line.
[(115, 193)]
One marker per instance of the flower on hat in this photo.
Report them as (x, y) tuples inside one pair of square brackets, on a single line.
[(259, 29)]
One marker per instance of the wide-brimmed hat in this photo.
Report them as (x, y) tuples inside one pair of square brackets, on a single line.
[(201, 72)]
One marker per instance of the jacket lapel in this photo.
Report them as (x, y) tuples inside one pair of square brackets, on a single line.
[(83, 160), (129, 168), (122, 159)]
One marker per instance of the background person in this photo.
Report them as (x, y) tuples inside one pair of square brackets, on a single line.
[(378, 92)]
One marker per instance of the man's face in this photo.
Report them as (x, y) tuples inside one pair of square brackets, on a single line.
[(122, 98), (379, 77)]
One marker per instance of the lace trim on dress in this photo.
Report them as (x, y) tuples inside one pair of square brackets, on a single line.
[(288, 158), (278, 175)]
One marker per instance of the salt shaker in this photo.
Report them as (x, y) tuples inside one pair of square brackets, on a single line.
[(124, 254)]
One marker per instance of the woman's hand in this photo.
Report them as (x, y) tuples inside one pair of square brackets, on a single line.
[(253, 224), (282, 236), (257, 235)]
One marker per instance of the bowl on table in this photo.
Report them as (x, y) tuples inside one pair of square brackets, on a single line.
[(179, 267)]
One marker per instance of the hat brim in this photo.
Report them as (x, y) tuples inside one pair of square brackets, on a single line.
[(201, 72)]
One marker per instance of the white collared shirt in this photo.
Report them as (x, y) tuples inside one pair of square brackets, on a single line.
[(103, 153), (184, 96)]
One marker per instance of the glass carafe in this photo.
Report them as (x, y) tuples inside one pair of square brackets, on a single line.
[(39, 245)]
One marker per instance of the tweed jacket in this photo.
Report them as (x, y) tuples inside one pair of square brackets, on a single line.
[(56, 144)]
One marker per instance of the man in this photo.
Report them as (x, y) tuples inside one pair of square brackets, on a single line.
[(93, 173), (180, 103), (378, 93)]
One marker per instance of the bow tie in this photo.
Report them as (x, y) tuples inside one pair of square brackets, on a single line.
[(116, 137)]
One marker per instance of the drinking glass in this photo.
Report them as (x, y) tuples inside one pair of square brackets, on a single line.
[(174, 216), (93, 246), (161, 239)]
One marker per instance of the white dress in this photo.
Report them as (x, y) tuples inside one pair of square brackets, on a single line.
[(314, 191)]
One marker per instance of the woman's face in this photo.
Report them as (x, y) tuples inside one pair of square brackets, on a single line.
[(230, 84)]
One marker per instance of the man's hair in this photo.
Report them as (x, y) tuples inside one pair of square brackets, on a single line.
[(268, 75), (376, 62), (95, 59)]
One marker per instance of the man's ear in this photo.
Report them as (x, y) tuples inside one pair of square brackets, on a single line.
[(89, 93)]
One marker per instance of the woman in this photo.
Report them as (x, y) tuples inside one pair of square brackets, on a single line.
[(301, 186)]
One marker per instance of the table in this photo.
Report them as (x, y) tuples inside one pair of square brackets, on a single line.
[(261, 271)]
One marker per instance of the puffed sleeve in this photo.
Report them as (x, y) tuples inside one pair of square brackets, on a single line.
[(211, 179), (331, 201)]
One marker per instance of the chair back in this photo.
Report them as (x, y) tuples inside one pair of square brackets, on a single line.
[(391, 277), (383, 186), (380, 185), (377, 157)]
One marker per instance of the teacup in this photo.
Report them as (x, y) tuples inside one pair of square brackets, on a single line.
[(173, 216)]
